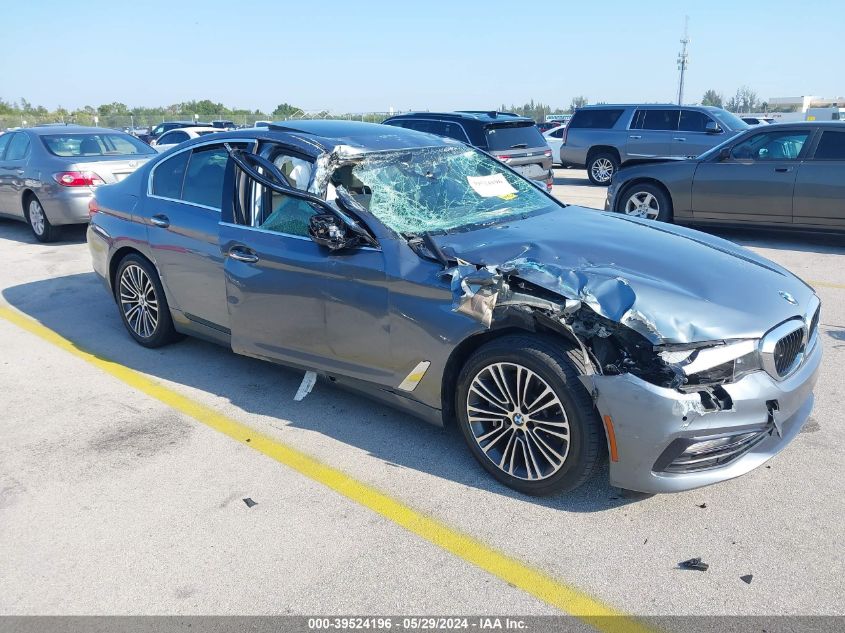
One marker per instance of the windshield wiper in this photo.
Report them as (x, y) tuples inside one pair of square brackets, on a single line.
[(519, 146)]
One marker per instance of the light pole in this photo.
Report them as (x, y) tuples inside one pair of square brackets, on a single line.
[(683, 61)]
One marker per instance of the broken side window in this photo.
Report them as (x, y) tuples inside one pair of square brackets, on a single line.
[(438, 188), (274, 211)]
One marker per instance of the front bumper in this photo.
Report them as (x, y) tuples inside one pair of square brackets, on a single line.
[(650, 423)]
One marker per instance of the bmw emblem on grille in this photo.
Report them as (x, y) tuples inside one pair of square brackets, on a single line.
[(788, 297)]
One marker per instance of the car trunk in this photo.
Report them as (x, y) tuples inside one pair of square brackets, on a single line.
[(110, 169)]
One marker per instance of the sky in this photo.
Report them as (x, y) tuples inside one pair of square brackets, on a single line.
[(372, 56)]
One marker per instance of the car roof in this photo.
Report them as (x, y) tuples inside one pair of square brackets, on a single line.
[(71, 129), (468, 115), (330, 133), (194, 128), (599, 106)]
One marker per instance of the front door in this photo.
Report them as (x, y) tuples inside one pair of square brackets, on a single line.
[(754, 183), (293, 301), (652, 133)]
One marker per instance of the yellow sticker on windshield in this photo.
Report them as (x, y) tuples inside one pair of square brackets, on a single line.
[(508, 196)]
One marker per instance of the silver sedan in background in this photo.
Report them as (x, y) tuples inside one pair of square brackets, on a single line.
[(48, 174)]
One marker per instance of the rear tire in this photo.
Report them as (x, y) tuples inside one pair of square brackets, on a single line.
[(38, 221), (601, 166), (142, 304), (536, 444)]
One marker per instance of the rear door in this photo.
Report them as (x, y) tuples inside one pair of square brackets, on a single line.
[(653, 132), (184, 202), (12, 172), (819, 199), (4, 142), (755, 182)]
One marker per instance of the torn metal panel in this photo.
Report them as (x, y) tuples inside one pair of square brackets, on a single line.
[(689, 290)]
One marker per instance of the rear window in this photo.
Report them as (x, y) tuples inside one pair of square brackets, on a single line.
[(501, 137), (596, 119), (831, 146), (94, 145)]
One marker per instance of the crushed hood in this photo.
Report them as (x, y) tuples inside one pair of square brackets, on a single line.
[(669, 283)]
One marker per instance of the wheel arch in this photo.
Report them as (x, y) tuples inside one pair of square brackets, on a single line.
[(643, 180), (462, 352), (118, 256), (26, 194), (600, 149)]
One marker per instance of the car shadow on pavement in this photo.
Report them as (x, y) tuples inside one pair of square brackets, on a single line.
[(20, 232), (78, 308)]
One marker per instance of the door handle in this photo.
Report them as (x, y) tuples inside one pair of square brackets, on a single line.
[(783, 170), (679, 138), (635, 136), (243, 254), (160, 220)]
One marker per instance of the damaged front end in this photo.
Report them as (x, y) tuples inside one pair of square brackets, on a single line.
[(600, 318), (678, 416)]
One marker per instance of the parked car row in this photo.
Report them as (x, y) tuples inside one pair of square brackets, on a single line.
[(778, 176), (430, 276), (48, 174)]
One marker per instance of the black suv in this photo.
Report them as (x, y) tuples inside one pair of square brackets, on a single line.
[(512, 139)]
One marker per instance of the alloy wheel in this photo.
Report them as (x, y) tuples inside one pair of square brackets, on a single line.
[(518, 421), (602, 170), (643, 205), (138, 301), (36, 217)]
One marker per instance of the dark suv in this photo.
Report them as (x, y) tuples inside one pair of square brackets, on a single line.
[(512, 139), (603, 138)]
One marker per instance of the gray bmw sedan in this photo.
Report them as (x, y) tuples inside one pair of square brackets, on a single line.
[(47, 174), (432, 277)]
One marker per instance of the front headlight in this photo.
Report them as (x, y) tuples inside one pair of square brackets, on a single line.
[(713, 363)]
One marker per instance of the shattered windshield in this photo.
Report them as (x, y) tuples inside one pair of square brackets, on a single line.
[(438, 188)]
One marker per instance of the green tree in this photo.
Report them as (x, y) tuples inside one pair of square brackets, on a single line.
[(286, 110), (577, 102), (712, 98)]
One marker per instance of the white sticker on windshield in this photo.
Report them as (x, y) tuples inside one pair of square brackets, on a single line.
[(489, 186)]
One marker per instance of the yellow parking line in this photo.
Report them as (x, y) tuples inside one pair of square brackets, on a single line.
[(825, 284), (535, 582)]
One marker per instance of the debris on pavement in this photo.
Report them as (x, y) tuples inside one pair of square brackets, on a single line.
[(308, 382), (747, 578), (249, 502), (702, 505), (694, 563)]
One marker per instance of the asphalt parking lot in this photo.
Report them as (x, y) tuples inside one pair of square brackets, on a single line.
[(113, 501)]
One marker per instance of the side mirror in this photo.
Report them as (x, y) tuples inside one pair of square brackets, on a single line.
[(724, 153), (712, 128), (328, 230)]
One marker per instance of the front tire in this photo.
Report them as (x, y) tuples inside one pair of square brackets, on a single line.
[(143, 306), (525, 415), (38, 221), (647, 201), (601, 166)]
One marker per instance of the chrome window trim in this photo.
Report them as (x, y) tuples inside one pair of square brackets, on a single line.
[(191, 148)]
